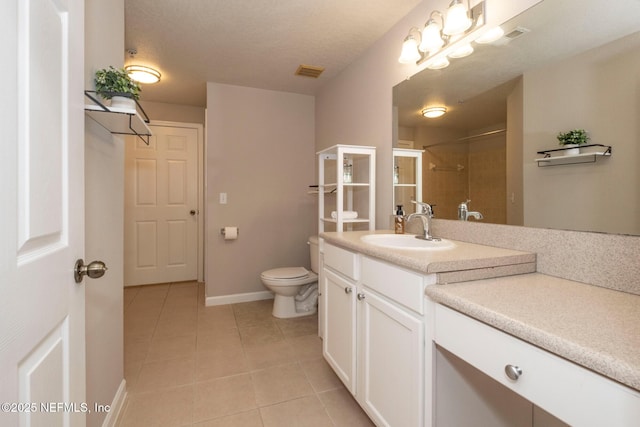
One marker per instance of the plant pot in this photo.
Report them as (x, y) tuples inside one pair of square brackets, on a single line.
[(571, 150), (123, 102)]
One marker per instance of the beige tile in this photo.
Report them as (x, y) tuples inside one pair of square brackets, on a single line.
[(172, 407), (136, 347), (279, 384), (176, 326), (216, 319), (184, 289), (254, 318), (262, 356), (223, 396), (165, 374), (320, 375), (261, 306), (264, 333), (343, 409), (244, 419), (304, 412), (306, 347), (307, 325), (131, 372), (129, 294), (220, 363), (216, 339), (171, 348)]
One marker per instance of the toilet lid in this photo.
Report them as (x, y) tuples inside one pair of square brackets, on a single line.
[(286, 273)]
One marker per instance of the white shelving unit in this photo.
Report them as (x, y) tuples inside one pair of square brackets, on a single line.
[(407, 177), (336, 195), (121, 121)]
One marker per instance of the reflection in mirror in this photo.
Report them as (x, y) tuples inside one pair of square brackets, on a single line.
[(407, 177), (552, 72)]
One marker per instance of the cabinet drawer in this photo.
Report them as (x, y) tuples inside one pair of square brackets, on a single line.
[(402, 286), (342, 261), (572, 393)]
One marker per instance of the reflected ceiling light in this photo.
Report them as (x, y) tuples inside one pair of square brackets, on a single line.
[(142, 74), (462, 51), (434, 112), (457, 20), (438, 64), (490, 36), (441, 31)]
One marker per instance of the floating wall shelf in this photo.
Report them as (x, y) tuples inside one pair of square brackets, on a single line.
[(121, 121), (591, 156)]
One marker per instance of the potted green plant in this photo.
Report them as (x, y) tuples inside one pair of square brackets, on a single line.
[(572, 140), (116, 85)]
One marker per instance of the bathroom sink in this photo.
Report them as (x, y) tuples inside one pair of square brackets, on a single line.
[(406, 241)]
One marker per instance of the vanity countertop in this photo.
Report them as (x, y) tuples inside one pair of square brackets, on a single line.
[(592, 326), (467, 261)]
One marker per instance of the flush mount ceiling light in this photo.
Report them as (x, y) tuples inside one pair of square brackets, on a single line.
[(441, 31), (142, 74), (434, 112)]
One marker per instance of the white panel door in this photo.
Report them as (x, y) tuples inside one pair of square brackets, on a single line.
[(42, 364), (161, 207)]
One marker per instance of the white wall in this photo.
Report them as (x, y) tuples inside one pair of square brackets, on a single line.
[(355, 107), (260, 151), (173, 112), (599, 94), (104, 199)]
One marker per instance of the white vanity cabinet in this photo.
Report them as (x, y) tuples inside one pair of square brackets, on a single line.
[(374, 334), (566, 390)]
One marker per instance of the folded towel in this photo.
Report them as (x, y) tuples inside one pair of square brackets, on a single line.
[(345, 215)]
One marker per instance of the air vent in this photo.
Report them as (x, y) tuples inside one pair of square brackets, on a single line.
[(511, 36), (517, 32), (309, 71)]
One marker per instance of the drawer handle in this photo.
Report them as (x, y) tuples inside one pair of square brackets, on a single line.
[(348, 290), (360, 297), (513, 372)]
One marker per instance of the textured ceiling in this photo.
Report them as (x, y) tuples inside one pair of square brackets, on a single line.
[(254, 43)]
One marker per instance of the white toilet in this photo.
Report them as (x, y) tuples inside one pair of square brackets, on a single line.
[(295, 288)]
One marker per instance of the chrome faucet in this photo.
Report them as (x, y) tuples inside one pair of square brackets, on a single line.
[(464, 213), (425, 213)]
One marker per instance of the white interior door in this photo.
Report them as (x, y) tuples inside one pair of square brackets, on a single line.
[(161, 207), (42, 363)]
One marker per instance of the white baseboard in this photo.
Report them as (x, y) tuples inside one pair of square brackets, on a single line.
[(236, 298), (116, 406)]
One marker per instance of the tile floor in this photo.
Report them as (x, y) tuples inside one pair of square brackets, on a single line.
[(231, 365)]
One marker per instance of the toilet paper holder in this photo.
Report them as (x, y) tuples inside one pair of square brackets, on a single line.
[(223, 232)]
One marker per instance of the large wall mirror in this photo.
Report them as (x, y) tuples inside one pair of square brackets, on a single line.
[(563, 65)]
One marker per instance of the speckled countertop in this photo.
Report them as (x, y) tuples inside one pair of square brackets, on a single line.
[(467, 261), (594, 327)]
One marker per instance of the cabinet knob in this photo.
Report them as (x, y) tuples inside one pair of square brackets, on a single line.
[(513, 372), (347, 290), (361, 296)]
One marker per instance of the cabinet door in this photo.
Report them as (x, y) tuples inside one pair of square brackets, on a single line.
[(339, 343), (391, 370)]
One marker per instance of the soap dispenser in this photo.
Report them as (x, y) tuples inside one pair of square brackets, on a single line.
[(399, 220)]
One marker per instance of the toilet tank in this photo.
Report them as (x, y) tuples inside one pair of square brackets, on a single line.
[(313, 248)]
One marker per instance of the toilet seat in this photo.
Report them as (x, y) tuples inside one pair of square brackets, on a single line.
[(289, 276)]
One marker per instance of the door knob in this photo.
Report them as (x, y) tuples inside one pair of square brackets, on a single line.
[(192, 212), (94, 270)]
